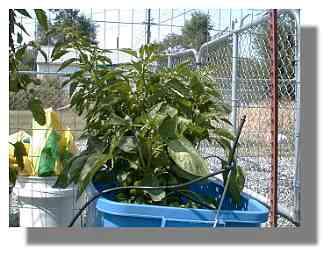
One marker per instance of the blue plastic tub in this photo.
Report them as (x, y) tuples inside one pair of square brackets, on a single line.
[(105, 212)]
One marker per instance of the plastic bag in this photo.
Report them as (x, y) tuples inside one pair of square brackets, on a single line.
[(49, 148), (52, 145)]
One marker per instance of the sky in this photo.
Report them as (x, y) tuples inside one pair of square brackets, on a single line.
[(126, 26)]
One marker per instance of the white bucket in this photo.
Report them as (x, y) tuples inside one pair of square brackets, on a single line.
[(43, 206), (91, 211)]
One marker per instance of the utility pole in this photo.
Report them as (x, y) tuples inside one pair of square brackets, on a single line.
[(148, 26)]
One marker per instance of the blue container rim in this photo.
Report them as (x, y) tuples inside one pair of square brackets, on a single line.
[(255, 212)]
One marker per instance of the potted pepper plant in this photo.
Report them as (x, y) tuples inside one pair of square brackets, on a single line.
[(144, 126)]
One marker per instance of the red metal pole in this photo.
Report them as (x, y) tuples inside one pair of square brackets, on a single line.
[(274, 117)]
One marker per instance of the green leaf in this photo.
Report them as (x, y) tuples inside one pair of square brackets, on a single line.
[(168, 129), (121, 197), (225, 133), (226, 145), (236, 184), (20, 52), (122, 175), (128, 144), (57, 48), (12, 175), (24, 13), (160, 160), (179, 88), (172, 128), (93, 164), (170, 111), (182, 125), (58, 54), (105, 59), (18, 24), (129, 51), (156, 195), (197, 86), (166, 178), (19, 38), (71, 170), (14, 85), (37, 110), (227, 121), (95, 145), (43, 53), (117, 120), (37, 46), (185, 156), (155, 109), (19, 153), (77, 74), (198, 197), (64, 83), (42, 18), (67, 63), (36, 81)]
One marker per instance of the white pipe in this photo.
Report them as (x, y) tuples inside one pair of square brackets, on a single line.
[(297, 181), (281, 210), (45, 73), (234, 81)]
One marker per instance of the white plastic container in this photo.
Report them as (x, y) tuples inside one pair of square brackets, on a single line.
[(43, 206), (91, 211)]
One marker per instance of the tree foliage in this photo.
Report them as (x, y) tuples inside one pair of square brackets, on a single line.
[(67, 18), (196, 30), (194, 33)]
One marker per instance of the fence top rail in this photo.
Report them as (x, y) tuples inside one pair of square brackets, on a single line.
[(264, 18), (185, 52)]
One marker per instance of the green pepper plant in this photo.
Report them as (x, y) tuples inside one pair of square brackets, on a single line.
[(144, 124)]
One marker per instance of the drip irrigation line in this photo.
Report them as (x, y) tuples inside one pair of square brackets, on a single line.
[(109, 190)]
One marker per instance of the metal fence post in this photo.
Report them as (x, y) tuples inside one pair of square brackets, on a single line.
[(234, 80), (169, 61), (274, 116), (297, 181)]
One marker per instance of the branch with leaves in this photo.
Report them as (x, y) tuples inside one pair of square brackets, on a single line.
[(18, 81)]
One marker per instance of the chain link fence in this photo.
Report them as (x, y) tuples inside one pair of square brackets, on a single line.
[(240, 64), (239, 61)]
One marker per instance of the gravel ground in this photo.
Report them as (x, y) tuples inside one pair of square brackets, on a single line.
[(259, 176), (258, 179)]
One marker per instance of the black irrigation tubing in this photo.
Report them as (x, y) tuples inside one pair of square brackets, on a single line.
[(178, 186)]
